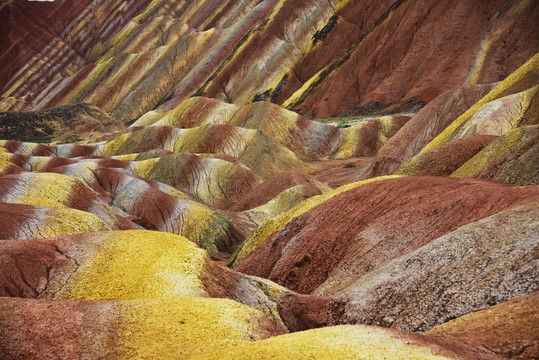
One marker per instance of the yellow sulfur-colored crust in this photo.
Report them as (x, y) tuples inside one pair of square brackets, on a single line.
[(489, 154), (502, 89), (146, 264), (4, 159), (285, 201), (182, 327), (337, 342), (61, 221), (40, 189), (144, 168)]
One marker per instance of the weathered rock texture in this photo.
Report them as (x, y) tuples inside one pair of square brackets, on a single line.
[(146, 143), (423, 127), (511, 159), (121, 329), (362, 342), (443, 160), (319, 59), (434, 284), (508, 329), (366, 227)]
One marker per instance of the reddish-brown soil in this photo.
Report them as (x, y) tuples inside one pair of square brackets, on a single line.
[(11, 146), (423, 127), (443, 160), (381, 220), (355, 17), (11, 169), (112, 163), (56, 162), (391, 64), (508, 329), (12, 216), (369, 139), (225, 157), (336, 173), (27, 266), (215, 138), (32, 328), (28, 27), (302, 312), (272, 187)]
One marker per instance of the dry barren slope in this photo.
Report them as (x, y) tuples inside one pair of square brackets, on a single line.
[(146, 144)]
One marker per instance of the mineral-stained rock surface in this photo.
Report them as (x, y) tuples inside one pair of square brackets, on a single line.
[(370, 225), (508, 329), (346, 341), (321, 59), (121, 329), (443, 160), (510, 159), (269, 179), (433, 284)]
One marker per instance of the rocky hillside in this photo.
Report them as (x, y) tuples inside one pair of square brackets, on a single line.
[(259, 179)]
